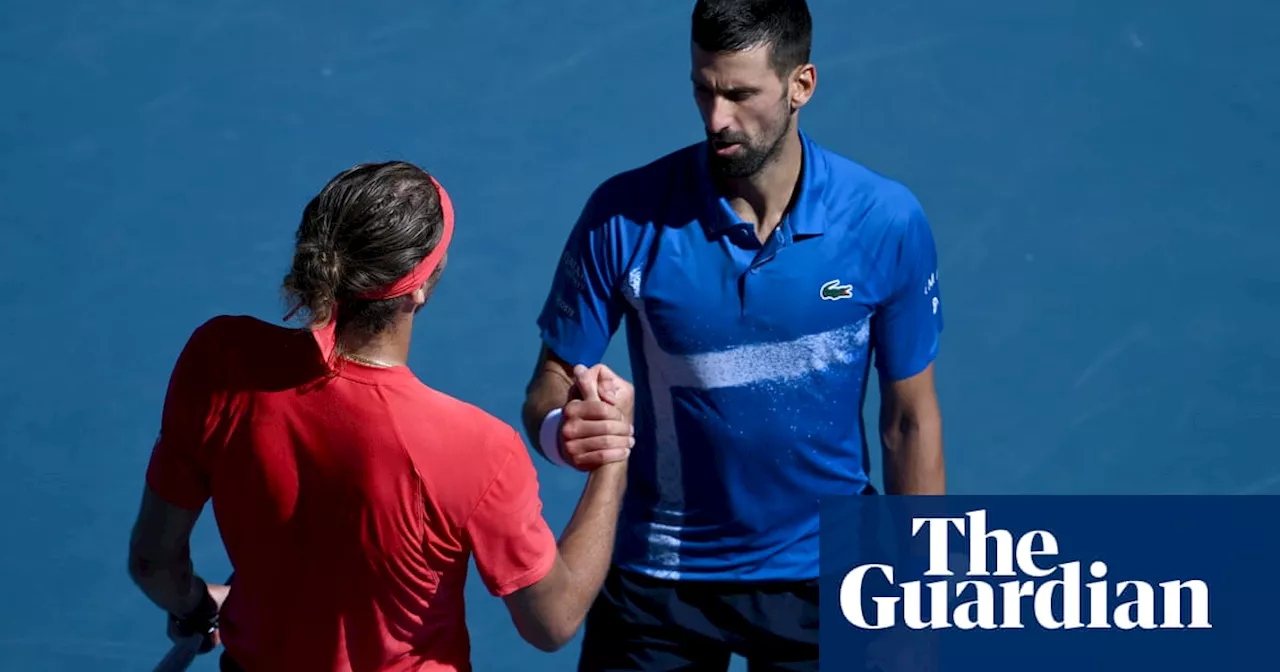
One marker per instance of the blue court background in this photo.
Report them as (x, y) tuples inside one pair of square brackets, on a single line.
[(1102, 179)]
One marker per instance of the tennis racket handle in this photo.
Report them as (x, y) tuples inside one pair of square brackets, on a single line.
[(181, 655)]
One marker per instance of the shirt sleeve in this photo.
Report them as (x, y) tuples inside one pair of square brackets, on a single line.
[(177, 471), (908, 324), (582, 311), (511, 542)]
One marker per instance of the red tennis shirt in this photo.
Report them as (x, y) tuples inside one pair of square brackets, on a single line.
[(349, 506)]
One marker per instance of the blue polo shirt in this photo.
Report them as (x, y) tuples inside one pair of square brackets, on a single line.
[(750, 360)]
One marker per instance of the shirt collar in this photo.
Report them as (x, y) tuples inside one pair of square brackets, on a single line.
[(807, 216)]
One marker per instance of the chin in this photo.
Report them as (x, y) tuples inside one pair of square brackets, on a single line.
[(736, 168), (748, 162)]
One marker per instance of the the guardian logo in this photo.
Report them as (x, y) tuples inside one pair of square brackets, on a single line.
[(982, 601)]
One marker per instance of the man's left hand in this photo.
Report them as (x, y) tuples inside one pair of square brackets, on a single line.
[(203, 621)]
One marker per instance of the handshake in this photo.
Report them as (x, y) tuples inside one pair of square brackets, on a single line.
[(595, 427)]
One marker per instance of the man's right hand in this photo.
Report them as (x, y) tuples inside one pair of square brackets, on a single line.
[(596, 426)]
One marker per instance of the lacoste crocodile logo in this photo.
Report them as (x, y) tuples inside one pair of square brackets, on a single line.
[(834, 291)]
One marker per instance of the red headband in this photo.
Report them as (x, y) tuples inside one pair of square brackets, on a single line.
[(326, 335)]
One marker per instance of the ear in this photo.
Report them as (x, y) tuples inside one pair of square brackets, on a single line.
[(418, 297), (422, 293), (804, 80)]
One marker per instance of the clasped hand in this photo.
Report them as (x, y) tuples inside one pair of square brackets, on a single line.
[(596, 426)]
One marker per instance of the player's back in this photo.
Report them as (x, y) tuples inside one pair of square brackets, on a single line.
[(342, 501)]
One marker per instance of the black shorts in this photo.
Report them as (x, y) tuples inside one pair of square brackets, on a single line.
[(641, 624)]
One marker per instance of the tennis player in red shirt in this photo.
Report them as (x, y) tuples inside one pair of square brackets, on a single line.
[(349, 495)]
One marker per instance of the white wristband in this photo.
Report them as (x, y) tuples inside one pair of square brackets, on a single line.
[(549, 438)]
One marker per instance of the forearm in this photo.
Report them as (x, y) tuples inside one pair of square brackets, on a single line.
[(548, 613), (546, 393), (586, 546), (170, 583), (914, 463)]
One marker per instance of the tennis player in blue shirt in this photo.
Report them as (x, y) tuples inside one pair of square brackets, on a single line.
[(756, 273)]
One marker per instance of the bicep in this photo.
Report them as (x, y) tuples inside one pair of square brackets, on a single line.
[(161, 532), (529, 604), (510, 540), (913, 398), (582, 310), (178, 470), (552, 375), (537, 612), (907, 326)]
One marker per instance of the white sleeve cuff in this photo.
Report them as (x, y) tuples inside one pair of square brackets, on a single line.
[(549, 438)]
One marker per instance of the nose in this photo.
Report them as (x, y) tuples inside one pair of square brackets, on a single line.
[(719, 114)]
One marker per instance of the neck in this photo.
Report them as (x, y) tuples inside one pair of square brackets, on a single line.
[(764, 197), (391, 347)]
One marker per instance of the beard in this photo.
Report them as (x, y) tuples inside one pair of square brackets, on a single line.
[(752, 155)]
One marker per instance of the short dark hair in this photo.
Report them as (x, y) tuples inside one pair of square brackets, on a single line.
[(369, 226), (738, 25)]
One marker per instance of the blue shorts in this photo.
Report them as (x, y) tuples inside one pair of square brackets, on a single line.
[(642, 624)]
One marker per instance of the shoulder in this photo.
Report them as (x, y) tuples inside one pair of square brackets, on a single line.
[(885, 204), (242, 337), (217, 335), (241, 354), (624, 212), (878, 215), (460, 448), (465, 427), (638, 195), (229, 329)]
